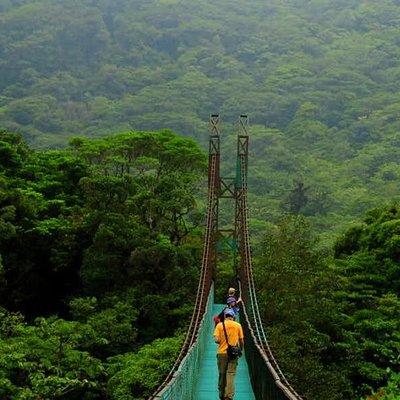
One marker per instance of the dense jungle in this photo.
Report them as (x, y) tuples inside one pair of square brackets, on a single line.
[(103, 132)]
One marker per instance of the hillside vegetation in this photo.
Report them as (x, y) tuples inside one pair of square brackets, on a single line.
[(319, 80)]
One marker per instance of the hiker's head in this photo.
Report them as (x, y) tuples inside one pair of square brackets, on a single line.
[(231, 291), (229, 313), (231, 301)]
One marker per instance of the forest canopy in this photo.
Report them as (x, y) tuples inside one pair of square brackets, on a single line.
[(93, 239), (340, 315)]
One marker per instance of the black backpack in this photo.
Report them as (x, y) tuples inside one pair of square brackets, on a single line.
[(221, 315)]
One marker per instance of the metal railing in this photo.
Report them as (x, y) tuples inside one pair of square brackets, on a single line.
[(185, 377)]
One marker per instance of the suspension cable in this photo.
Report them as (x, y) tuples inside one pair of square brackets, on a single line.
[(260, 334), (205, 280)]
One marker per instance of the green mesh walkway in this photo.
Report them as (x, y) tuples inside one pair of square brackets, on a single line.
[(207, 387)]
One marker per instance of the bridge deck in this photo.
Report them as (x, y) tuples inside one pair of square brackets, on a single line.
[(207, 387)]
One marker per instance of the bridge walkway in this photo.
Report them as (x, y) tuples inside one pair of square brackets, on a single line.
[(207, 386)]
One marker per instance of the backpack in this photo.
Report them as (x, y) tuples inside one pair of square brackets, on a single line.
[(220, 317)]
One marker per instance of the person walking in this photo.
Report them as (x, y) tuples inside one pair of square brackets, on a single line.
[(228, 334), (232, 301)]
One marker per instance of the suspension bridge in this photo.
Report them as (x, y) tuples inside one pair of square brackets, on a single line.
[(194, 374)]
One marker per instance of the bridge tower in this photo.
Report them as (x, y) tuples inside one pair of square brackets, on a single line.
[(242, 159), (223, 188), (214, 187), (234, 188)]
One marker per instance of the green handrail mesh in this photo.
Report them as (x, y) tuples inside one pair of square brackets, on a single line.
[(264, 383), (184, 379)]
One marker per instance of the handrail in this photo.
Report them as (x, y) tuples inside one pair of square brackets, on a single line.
[(176, 388), (265, 388)]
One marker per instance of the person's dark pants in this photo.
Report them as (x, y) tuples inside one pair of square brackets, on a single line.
[(227, 371)]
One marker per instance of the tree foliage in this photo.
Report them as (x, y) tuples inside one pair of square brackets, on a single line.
[(339, 316), (94, 238)]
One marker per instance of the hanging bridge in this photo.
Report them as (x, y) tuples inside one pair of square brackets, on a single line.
[(194, 374)]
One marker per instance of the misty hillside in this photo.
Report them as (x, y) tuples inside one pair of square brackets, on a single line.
[(319, 79), (91, 67)]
